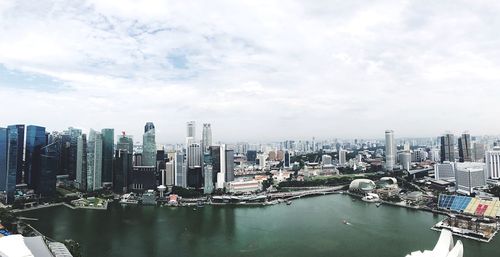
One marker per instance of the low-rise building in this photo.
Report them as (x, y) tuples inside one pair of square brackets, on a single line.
[(243, 186)]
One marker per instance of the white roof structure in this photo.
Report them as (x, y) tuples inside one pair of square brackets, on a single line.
[(444, 247), (19, 246)]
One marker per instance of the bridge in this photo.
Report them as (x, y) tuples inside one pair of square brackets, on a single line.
[(303, 193)]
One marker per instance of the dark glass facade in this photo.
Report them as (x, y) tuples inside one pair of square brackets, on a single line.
[(122, 170), (35, 140), (15, 151), (3, 159), (251, 156), (45, 182), (194, 177), (108, 143), (229, 165)]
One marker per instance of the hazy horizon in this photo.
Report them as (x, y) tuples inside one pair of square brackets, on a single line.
[(258, 71)]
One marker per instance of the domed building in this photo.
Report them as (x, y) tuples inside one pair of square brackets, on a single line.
[(362, 186), (388, 182)]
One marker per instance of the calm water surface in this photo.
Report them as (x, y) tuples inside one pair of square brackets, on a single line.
[(308, 227)]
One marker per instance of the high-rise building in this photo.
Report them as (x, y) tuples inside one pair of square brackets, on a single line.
[(191, 129), (229, 166), (444, 171), (94, 161), (15, 151), (390, 150), (464, 148), (493, 164), (45, 181), (169, 174), (81, 163), (478, 152), (221, 174), (469, 176), (447, 148), (72, 134), (286, 161), (180, 170), (208, 186), (108, 145), (206, 140), (342, 157), (149, 145), (194, 155), (125, 142), (405, 160), (326, 159), (35, 140), (122, 168), (251, 156), (3, 159)]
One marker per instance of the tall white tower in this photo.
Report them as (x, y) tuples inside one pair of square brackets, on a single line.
[(390, 150), (206, 136)]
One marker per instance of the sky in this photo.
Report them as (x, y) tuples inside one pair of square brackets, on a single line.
[(256, 70)]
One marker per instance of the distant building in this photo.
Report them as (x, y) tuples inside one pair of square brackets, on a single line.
[(229, 166), (180, 170), (390, 150), (149, 145), (444, 171), (243, 186), (206, 137), (405, 160), (169, 174), (478, 152), (94, 161), (326, 159), (122, 170), (35, 140), (286, 162), (251, 156), (342, 157), (81, 163), (125, 142), (468, 176), (3, 159), (45, 181), (493, 164), (15, 152), (447, 148), (142, 178), (208, 187), (108, 144), (72, 144), (464, 148)]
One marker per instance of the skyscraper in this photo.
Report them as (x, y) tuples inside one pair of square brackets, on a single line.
[(478, 152), (208, 186), (108, 144), (342, 157), (180, 170), (464, 148), (229, 165), (390, 150), (194, 155), (447, 148), (191, 129), (15, 151), (35, 140), (206, 136), (221, 174), (73, 134), (122, 170), (493, 164), (149, 145), (3, 159), (125, 142), (81, 163), (94, 161), (45, 181)]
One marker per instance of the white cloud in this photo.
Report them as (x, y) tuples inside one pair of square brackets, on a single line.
[(258, 70)]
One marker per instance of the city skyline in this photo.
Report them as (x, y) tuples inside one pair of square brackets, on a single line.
[(317, 69)]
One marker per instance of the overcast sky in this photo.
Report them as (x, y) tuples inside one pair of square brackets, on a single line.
[(257, 70)]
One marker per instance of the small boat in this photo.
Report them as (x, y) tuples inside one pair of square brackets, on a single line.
[(378, 204), (288, 202), (346, 222)]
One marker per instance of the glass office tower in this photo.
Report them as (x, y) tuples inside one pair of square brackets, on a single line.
[(35, 140)]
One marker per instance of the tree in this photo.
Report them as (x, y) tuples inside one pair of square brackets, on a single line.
[(7, 218), (73, 247)]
